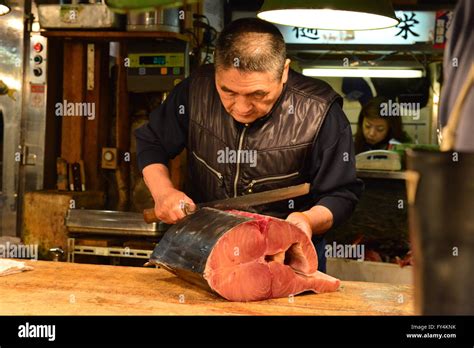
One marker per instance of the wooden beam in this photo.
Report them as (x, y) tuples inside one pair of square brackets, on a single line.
[(72, 136), (52, 149), (112, 35), (97, 93), (122, 130)]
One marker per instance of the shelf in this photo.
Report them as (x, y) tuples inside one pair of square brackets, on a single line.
[(108, 35)]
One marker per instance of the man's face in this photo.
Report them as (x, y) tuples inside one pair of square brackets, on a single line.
[(248, 96)]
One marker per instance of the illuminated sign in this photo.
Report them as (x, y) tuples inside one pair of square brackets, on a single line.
[(414, 26)]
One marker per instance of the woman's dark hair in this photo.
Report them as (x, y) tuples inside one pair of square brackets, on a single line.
[(251, 45), (371, 110)]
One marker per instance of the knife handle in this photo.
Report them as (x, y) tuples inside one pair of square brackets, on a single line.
[(150, 217)]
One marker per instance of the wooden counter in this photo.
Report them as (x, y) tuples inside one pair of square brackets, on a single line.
[(54, 288)]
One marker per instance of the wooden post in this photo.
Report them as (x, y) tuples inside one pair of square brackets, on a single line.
[(122, 131), (97, 93), (74, 77)]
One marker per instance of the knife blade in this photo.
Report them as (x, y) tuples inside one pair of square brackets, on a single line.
[(242, 202)]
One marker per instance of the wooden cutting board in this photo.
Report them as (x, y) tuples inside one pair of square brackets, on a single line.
[(59, 288)]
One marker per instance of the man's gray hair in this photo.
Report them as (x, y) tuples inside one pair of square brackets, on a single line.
[(251, 45)]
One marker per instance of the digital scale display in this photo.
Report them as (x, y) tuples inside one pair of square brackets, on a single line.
[(152, 60), (156, 60)]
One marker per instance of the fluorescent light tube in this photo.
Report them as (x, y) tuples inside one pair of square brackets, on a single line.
[(384, 73)]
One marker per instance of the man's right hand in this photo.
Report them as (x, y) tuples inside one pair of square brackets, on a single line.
[(169, 201), (169, 205)]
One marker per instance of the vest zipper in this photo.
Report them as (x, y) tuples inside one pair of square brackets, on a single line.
[(215, 172), (271, 178), (237, 173)]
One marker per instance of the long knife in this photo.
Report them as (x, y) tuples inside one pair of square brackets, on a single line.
[(243, 202)]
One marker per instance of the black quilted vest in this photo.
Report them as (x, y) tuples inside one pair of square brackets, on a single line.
[(282, 141)]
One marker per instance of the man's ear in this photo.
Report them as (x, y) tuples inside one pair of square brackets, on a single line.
[(284, 77)]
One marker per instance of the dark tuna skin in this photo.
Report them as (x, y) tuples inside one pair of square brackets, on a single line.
[(185, 247)]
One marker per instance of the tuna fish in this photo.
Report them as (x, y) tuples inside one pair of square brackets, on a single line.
[(242, 256)]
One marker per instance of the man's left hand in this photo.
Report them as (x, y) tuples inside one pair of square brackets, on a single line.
[(302, 221)]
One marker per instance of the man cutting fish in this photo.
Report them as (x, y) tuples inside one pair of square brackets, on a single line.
[(251, 124)]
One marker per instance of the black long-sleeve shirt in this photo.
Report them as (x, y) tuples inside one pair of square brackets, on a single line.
[(332, 162)]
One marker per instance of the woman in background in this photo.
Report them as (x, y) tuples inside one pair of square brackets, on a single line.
[(376, 132)]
